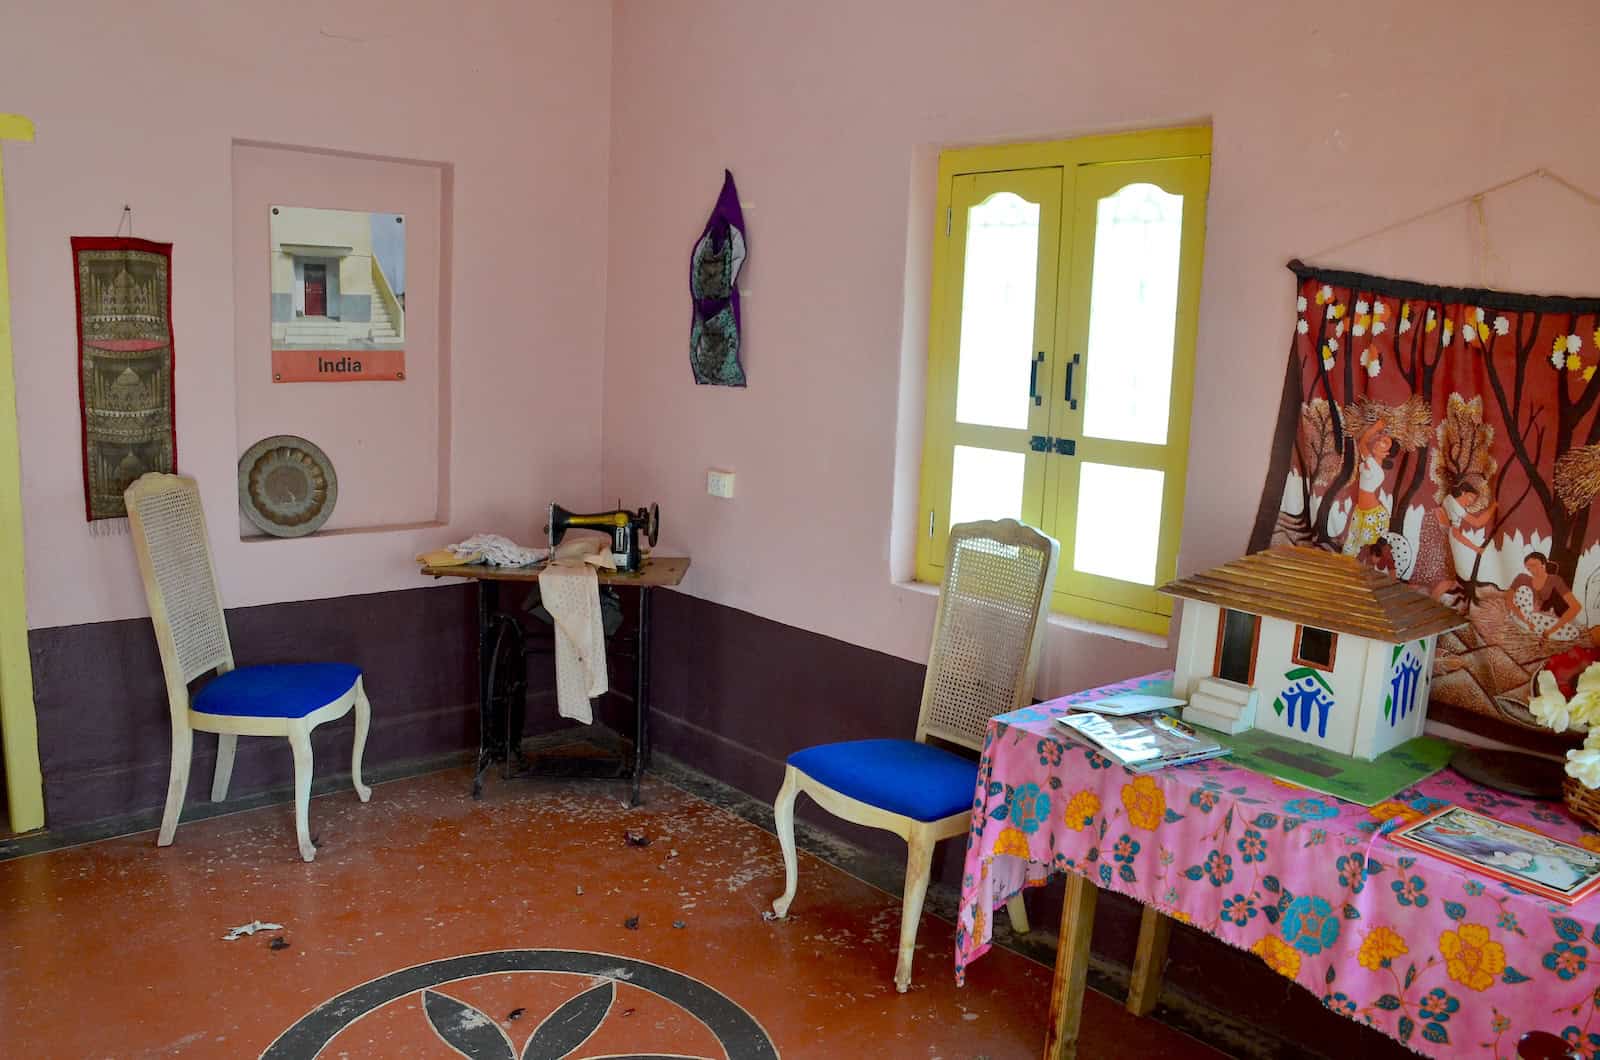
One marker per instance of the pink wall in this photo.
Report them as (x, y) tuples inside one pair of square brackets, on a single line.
[(1329, 122), (141, 103), (383, 438)]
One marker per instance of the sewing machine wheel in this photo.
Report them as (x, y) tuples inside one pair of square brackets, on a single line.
[(652, 528), (508, 694)]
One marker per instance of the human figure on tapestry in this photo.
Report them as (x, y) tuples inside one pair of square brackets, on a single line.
[(1379, 432), (1543, 602), (1463, 510)]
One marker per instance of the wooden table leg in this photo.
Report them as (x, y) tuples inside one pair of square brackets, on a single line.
[(1072, 966), (1149, 960)]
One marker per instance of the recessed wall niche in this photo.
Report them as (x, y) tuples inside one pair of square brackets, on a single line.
[(387, 439)]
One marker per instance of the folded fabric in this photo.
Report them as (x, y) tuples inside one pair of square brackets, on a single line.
[(497, 551)]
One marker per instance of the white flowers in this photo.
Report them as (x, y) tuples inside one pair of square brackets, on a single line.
[(1300, 304), (1300, 325), (1362, 306), (1550, 706), (1574, 344), (1584, 765), (1501, 326), (1582, 711)]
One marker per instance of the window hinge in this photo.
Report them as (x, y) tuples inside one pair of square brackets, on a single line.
[(930, 522), (948, 212)]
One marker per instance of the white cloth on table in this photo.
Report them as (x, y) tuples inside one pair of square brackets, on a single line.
[(498, 551), (570, 590)]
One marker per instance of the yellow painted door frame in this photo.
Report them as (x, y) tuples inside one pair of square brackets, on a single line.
[(19, 730)]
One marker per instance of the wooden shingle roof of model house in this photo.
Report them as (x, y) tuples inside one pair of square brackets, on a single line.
[(1323, 589)]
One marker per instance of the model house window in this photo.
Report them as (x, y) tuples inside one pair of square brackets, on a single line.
[(1066, 282), (1315, 647), (1238, 633)]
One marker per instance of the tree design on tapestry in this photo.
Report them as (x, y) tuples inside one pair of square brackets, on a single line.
[(1452, 438)]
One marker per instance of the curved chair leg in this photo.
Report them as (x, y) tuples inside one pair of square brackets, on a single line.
[(227, 743), (783, 817), (919, 865), (1018, 913), (178, 784), (300, 744), (363, 720)]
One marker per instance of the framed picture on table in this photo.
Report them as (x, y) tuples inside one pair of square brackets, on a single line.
[(1509, 853)]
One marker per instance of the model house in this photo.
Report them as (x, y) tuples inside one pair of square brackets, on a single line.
[(1312, 645), (831, 283)]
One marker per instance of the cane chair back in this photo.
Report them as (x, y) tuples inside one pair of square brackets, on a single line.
[(988, 634), (169, 537)]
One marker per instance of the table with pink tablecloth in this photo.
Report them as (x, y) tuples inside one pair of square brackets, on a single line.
[(1448, 962)]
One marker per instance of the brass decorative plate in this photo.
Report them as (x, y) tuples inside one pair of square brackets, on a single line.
[(287, 486)]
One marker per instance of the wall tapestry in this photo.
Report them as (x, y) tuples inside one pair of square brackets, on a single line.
[(125, 365), (338, 295), (1452, 438), (713, 288)]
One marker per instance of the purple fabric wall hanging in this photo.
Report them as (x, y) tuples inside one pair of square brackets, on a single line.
[(714, 333)]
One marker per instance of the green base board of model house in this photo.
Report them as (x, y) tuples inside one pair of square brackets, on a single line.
[(1351, 779)]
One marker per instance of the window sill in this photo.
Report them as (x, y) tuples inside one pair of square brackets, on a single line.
[(1070, 622)]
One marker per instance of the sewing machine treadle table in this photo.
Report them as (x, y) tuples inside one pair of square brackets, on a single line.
[(656, 572)]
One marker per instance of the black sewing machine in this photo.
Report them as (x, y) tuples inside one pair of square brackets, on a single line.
[(623, 526)]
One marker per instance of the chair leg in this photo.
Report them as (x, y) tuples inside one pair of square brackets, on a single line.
[(919, 865), (178, 784), (363, 720), (1018, 913), (300, 744), (227, 743), (783, 817)]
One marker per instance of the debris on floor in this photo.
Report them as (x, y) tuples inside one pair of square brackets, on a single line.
[(580, 890), (515, 1014), (250, 929), (680, 925), (632, 923), (279, 943), (636, 839), (767, 914)]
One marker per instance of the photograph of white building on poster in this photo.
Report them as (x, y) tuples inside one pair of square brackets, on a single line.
[(338, 294)]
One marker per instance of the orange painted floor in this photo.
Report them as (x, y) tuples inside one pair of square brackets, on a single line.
[(433, 926)]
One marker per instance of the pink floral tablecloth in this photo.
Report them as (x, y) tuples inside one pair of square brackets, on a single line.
[(1447, 962)]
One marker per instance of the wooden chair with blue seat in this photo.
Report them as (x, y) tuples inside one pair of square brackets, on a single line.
[(988, 635), (287, 700)]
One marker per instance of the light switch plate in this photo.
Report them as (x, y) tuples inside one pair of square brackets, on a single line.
[(719, 483)]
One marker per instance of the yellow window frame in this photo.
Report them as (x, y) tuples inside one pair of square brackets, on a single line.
[(18, 724), (1182, 159)]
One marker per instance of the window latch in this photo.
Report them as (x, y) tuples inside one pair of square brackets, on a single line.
[(1033, 378), (1065, 446), (1067, 397)]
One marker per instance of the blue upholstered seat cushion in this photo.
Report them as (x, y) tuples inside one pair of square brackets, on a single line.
[(902, 776), (281, 690)]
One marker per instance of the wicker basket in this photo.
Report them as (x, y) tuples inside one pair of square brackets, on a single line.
[(1582, 802)]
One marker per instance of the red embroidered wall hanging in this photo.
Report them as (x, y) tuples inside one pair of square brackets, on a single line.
[(125, 365)]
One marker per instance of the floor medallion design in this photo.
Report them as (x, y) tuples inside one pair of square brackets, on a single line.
[(558, 1033)]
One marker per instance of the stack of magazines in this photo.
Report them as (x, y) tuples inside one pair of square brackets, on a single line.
[(1144, 742)]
